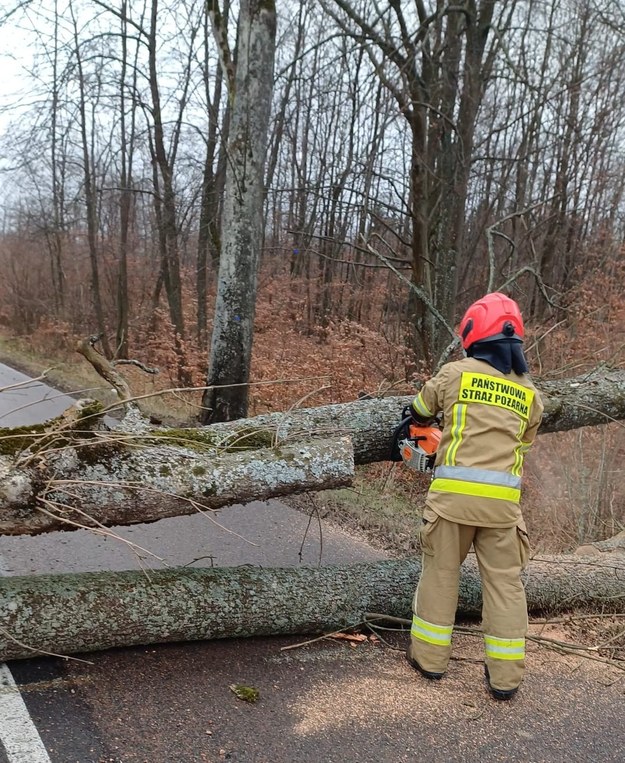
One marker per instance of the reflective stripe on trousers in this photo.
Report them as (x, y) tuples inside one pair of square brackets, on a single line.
[(504, 648), (440, 635)]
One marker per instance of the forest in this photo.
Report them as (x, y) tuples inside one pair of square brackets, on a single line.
[(414, 155)]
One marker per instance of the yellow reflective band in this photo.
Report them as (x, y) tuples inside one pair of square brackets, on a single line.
[(460, 487), (492, 390), (420, 406), (440, 635), (521, 451), (518, 451), (504, 648), (458, 423)]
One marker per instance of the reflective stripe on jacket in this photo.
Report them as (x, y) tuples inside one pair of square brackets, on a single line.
[(490, 420)]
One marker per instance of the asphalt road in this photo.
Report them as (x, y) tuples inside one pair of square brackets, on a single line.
[(26, 401), (324, 702)]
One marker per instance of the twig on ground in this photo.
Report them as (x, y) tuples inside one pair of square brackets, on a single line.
[(315, 512), (320, 638), (36, 651)]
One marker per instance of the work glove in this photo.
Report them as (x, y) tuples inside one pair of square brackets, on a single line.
[(420, 421)]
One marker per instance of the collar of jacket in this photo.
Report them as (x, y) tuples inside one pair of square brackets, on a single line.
[(505, 355)]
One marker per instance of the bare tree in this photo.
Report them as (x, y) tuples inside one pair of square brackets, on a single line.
[(209, 233), (436, 64), (165, 197), (242, 221), (55, 239), (127, 138), (90, 191)]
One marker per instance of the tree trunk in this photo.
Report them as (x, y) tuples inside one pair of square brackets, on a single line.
[(90, 199), (242, 220), (209, 233), (127, 140), (165, 198), (597, 397), (92, 611)]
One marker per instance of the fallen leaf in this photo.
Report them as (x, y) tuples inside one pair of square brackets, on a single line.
[(355, 637)]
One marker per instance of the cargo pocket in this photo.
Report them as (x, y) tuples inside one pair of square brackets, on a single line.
[(524, 544), (428, 524)]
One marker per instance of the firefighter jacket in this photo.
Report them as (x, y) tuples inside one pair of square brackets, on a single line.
[(489, 421)]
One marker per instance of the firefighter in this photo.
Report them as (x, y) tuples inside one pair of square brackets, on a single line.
[(491, 412)]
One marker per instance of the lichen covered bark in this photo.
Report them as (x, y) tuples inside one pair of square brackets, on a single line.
[(92, 611), (142, 484)]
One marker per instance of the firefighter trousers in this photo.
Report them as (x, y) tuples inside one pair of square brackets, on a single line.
[(502, 554)]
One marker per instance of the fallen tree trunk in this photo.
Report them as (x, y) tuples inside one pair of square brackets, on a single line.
[(86, 612), (588, 400), (49, 479), (73, 488)]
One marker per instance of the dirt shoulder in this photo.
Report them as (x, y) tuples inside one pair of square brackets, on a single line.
[(74, 376), (57, 372)]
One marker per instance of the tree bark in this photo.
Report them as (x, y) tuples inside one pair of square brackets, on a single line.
[(90, 193), (242, 217), (113, 483), (166, 210), (92, 611)]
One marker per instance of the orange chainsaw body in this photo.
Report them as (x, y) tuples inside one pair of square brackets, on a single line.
[(418, 449)]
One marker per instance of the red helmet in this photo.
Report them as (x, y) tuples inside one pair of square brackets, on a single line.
[(492, 317)]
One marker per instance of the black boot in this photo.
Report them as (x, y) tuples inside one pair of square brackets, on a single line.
[(425, 673), (501, 694)]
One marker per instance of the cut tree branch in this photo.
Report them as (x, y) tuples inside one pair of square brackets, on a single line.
[(127, 479)]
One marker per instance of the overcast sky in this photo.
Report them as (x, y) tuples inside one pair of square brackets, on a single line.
[(15, 60)]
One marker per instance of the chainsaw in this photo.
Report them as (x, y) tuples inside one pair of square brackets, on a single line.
[(415, 444)]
